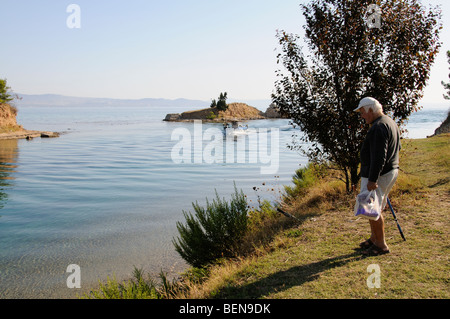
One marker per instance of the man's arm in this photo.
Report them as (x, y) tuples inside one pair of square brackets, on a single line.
[(378, 152)]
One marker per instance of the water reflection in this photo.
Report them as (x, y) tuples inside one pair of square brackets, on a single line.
[(8, 164)]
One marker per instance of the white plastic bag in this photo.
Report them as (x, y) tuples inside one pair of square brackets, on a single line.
[(368, 205)]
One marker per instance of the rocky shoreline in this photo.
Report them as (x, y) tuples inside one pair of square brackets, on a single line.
[(444, 127), (10, 129), (27, 134)]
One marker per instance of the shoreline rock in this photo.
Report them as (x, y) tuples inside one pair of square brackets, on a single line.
[(27, 134), (273, 112), (444, 127)]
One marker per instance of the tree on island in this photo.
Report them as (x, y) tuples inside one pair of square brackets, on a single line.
[(447, 85), (357, 49), (221, 104), (6, 96)]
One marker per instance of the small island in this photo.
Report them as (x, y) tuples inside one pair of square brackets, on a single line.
[(233, 112)]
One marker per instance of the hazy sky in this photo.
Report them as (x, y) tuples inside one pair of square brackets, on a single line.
[(172, 49)]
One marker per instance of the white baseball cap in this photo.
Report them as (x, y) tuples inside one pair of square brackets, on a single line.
[(368, 101)]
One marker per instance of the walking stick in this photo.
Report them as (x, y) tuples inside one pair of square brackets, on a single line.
[(287, 214), (395, 218)]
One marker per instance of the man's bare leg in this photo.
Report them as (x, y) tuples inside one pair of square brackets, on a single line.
[(378, 238)]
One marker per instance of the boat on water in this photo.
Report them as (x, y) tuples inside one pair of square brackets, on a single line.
[(236, 128)]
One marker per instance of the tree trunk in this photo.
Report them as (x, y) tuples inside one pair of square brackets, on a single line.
[(354, 176)]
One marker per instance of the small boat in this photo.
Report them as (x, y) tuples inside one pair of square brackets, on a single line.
[(235, 129)]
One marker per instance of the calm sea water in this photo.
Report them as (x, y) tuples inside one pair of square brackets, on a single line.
[(107, 194)]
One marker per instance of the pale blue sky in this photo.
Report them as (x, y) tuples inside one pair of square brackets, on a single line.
[(162, 49)]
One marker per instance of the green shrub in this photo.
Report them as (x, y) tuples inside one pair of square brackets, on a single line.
[(136, 288), (265, 212), (211, 116), (304, 178), (214, 232)]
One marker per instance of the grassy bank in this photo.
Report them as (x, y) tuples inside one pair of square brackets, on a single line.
[(316, 256)]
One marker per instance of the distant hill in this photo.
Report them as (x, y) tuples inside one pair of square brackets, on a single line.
[(61, 101)]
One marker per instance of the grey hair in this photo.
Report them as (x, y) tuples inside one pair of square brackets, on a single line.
[(376, 107)]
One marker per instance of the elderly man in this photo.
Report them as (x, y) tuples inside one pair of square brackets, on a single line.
[(379, 165)]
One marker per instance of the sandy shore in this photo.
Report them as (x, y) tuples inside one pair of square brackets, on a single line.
[(27, 134)]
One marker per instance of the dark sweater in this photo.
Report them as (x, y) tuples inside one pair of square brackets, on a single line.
[(380, 150)]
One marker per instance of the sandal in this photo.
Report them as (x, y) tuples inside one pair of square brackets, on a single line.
[(366, 244), (375, 251)]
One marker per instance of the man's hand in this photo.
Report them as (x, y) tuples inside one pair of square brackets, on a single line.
[(371, 186)]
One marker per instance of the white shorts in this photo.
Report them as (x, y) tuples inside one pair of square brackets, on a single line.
[(385, 183)]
